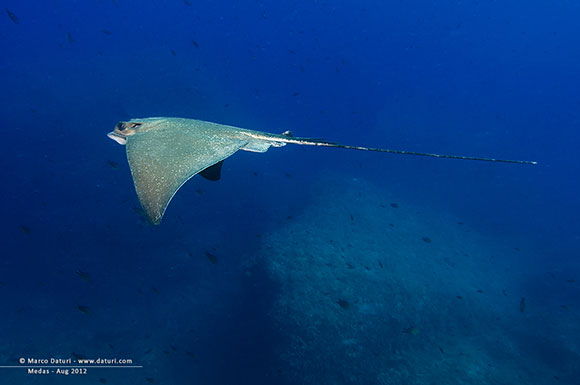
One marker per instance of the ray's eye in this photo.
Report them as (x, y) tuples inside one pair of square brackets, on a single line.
[(121, 126)]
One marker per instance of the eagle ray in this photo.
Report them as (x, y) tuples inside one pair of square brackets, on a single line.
[(164, 153)]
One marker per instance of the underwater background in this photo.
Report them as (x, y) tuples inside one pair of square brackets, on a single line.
[(301, 265)]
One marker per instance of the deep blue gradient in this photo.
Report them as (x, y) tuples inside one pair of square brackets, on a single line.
[(485, 78)]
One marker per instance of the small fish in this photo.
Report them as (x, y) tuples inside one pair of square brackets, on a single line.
[(190, 354), (85, 276), (84, 309), (523, 305), (296, 94), (381, 264), (148, 351), (459, 297), (173, 53), (150, 380), (103, 380), (412, 330), (25, 229), (479, 291), (394, 205), (187, 2), (12, 16), (195, 44), (106, 32), (441, 350), (78, 356), (212, 258), (113, 164), (343, 304), (427, 240), (70, 38)]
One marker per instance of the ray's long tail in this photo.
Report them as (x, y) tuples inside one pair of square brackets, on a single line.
[(324, 143)]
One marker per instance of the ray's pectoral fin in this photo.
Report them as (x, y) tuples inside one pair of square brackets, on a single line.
[(213, 172), (162, 160)]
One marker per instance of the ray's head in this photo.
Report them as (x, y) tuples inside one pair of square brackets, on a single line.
[(123, 130)]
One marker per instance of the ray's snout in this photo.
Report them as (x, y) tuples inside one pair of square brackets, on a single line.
[(122, 131)]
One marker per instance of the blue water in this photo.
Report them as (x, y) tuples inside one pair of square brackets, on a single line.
[(272, 274)]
